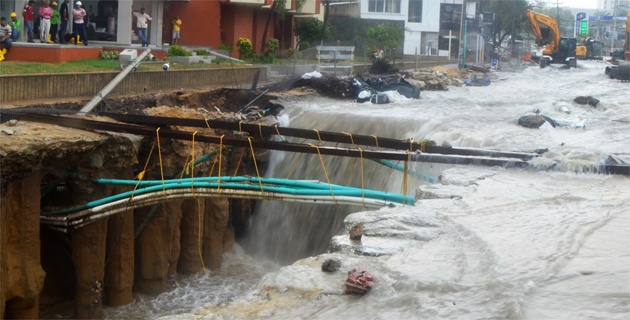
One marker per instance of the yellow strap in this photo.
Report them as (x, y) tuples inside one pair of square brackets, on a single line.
[(318, 137), (294, 165), (157, 132), (238, 165), (140, 175), (410, 144), (192, 164), (362, 180), (405, 175), (240, 123), (376, 139), (200, 232), (255, 164), (278, 132), (349, 134), (260, 130), (220, 159), (321, 160)]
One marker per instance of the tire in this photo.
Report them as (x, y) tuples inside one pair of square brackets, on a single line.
[(544, 62)]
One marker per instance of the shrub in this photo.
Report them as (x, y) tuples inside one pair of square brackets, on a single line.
[(202, 52), (108, 55), (245, 48), (225, 46), (178, 51)]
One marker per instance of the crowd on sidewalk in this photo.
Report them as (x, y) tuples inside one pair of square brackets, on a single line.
[(50, 22)]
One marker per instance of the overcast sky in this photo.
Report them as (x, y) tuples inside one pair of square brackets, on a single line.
[(586, 4)]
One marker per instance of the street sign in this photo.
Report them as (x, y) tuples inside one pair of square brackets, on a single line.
[(580, 16), (583, 27)]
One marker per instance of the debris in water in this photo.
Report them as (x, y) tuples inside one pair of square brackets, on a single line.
[(586, 100), (331, 265), (356, 232), (359, 281)]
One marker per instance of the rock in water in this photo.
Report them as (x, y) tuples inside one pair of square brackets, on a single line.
[(331, 265), (356, 232), (586, 100)]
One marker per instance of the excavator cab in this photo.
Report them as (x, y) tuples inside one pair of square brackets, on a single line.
[(565, 53)]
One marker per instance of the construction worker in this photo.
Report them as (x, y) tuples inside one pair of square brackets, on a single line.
[(16, 25)]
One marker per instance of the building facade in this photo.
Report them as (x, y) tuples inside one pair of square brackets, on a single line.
[(208, 23)]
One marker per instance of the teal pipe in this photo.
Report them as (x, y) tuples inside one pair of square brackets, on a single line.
[(402, 169), (354, 192)]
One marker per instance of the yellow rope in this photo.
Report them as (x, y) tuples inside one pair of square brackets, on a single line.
[(260, 130), (199, 240), (140, 175), (410, 144), (406, 173), (321, 160), (391, 172), (318, 137), (240, 128), (255, 164), (278, 132), (220, 160), (349, 134), (362, 181), (294, 165), (376, 139), (157, 132), (351, 173), (238, 165), (192, 163)]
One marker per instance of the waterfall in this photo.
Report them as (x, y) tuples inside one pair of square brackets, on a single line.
[(285, 231)]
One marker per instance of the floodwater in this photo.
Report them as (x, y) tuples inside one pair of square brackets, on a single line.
[(548, 242)]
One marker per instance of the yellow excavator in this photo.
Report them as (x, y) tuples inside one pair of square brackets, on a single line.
[(557, 50)]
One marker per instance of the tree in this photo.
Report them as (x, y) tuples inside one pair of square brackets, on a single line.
[(279, 8), (509, 19), (308, 30), (384, 35)]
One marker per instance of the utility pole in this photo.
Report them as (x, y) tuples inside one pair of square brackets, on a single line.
[(462, 54)]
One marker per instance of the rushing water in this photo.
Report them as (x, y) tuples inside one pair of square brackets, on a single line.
[(483, 243)]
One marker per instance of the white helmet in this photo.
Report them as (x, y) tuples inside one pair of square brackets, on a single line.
[(78, 3)]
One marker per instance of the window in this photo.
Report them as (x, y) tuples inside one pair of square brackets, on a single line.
[(450, 16), (415, 11), (389, 6)]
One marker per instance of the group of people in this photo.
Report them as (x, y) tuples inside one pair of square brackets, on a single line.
[(53, 25)]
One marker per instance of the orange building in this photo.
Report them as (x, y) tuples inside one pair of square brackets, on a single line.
[(207, 23)]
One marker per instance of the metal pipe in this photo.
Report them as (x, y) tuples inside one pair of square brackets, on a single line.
[(112, 84)]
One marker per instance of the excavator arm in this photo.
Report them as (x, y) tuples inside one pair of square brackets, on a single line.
[(546, 30)]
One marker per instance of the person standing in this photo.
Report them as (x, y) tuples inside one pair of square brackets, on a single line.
[(79, 13), (5, 37), (54, 22), (16, 26), (142, 24), (63, 17), (45, 13), (27, 13), (177, 23)]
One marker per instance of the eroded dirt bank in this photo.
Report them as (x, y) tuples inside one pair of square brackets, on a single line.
[(45, 168)]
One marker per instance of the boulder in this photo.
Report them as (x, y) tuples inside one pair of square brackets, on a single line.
[(356, 232), (331, 265)]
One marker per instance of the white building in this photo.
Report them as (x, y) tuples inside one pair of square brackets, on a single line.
[(608, 5), (432, 27)]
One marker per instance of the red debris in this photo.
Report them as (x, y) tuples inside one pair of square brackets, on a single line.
[(359, 281)]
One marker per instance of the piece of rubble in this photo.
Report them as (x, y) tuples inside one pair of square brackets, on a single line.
[(356, 232), (331, 265), (359, 281)]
